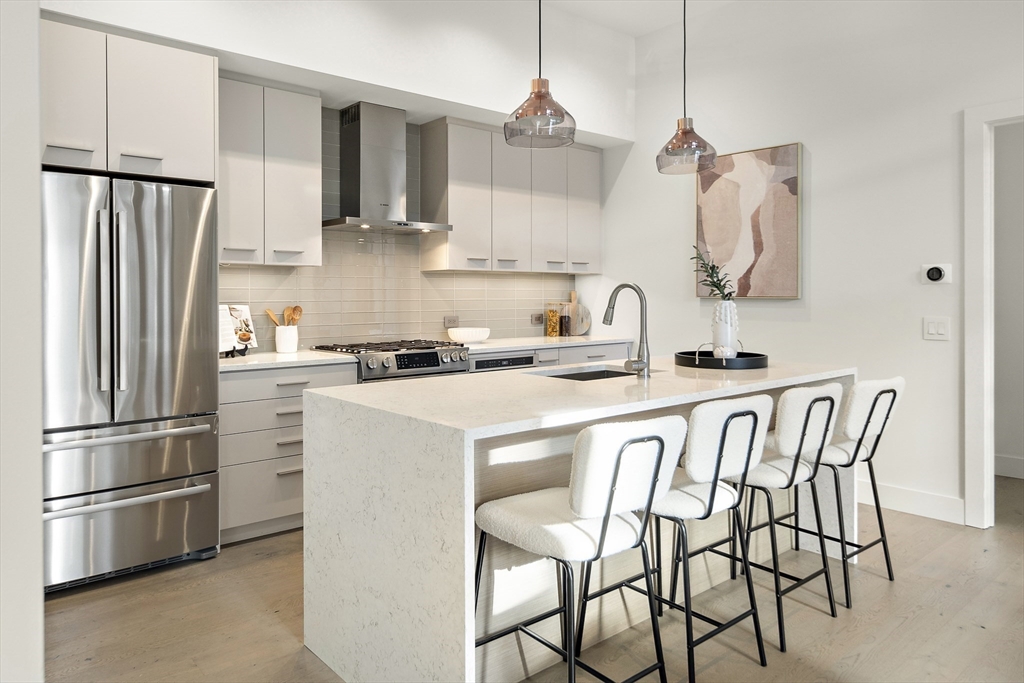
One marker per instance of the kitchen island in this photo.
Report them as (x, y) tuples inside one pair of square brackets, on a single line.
[(394, 472)]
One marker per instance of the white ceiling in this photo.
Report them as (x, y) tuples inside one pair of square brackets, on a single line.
[(635, 17)]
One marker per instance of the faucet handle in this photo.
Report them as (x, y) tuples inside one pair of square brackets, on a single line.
[(635, 365)]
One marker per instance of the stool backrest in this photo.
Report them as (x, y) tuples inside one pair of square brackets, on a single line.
[(602, 449), (726, 437), (802, 418), (868, 407)]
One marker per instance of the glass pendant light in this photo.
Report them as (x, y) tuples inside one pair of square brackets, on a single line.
[(540, 121), (686, 152)]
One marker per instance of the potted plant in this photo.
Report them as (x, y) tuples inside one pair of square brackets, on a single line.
[(725, 323)]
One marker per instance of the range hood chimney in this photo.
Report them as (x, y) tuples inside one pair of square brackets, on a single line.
[(373, 172)]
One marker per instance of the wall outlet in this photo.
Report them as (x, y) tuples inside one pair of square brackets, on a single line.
[(451, 321), (536, 318)]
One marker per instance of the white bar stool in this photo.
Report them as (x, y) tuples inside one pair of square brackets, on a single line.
[(804, 421), (616, 468), (866, 413), (725, 440)]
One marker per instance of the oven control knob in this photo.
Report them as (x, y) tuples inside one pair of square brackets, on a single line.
[(464, 355), (386, 362), (371, 363), (445, 357)]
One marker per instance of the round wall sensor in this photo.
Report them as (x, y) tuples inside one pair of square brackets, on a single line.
[(936, 274)]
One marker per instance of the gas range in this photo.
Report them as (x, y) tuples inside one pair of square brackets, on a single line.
[(404, 358)]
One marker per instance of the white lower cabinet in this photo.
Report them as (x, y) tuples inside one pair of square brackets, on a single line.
[(261, 446)]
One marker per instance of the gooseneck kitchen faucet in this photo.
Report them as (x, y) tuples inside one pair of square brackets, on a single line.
[(642, 364)]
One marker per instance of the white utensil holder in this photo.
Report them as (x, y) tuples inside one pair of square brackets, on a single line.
[(287, 338)]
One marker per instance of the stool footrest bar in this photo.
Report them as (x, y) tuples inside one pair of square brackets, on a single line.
[(722, 627), (516, 627)]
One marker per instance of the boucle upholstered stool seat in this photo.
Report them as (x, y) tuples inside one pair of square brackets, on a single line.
[(804, 421), (617, 468), (725, 439), (865, 415)]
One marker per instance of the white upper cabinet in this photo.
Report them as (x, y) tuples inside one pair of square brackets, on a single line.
[(240, 175), (549, 228), (73, 95), (160, 110), (269, 177), (510, 206), (456, 189), (511, 209), (584, 211), (292, 178)]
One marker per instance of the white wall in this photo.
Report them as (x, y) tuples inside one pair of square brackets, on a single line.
[(874, 91), (21, 426), (1009, 299), (481, 54)]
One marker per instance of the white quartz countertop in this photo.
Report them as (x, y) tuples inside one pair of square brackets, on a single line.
[(495, 403), (521, 343), (266, 361)]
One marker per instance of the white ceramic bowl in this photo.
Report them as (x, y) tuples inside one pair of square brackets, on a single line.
[(467, 335)]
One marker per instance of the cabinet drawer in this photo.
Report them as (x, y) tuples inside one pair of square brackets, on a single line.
[(255, 385), (251, 416), (236, 449), (592, 354), (258, 491)]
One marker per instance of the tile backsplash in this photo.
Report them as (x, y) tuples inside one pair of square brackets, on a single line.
[(370, 288)]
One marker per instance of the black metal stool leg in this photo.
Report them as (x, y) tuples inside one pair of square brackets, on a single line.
[(744, 549), (881, 524), (568, 597), (479, 567), (750, 516), (675, 563), (655, 625), (690, 664), (583, 607), (657, 560), (796, 515), (775, 567), (842, 535), (821, 541), (732, 547)]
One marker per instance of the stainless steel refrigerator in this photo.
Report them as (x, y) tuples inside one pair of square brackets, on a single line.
[(130, 451)]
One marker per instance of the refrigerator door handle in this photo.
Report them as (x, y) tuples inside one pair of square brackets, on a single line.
[(103, 316), (127, 502), (125, 438), (122, 303)]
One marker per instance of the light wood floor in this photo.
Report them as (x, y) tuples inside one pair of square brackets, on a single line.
[(955, 612)]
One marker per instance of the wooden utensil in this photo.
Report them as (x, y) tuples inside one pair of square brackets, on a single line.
[(296, 314), (273, 318), (288, 315)]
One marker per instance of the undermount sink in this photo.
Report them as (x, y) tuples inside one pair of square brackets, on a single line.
[(587, 375)]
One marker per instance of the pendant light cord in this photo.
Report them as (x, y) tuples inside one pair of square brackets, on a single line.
[(539, 25), (684, 59)]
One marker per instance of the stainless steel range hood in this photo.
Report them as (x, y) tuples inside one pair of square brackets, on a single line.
[(373, 172)]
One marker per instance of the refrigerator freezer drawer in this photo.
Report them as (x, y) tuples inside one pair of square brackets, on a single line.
[(77, 463), (92, 536)]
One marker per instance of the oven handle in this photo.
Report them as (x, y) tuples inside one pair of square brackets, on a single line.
[(127, 502), (125, 438)]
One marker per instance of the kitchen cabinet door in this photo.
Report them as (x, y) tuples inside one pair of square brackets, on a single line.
[(160, 110), (73, 95), (510, 206), (549, 228), (469, 198), (240, 176), (584, 211), (292, 178)]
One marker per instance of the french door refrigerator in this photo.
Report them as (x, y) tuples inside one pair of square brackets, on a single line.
[(130, 450)]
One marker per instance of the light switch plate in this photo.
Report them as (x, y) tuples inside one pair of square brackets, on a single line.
[(451, 321), (536, 318), (935, 328)]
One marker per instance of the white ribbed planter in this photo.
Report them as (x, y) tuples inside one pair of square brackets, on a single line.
[(725, 329)]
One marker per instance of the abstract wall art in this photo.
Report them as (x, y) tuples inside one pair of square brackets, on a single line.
[(748, 219)]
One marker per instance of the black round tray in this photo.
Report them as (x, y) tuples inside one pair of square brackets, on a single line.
[(706, 359)]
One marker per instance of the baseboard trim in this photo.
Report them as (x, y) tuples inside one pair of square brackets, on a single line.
[(921, 503), (1010, 466)]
